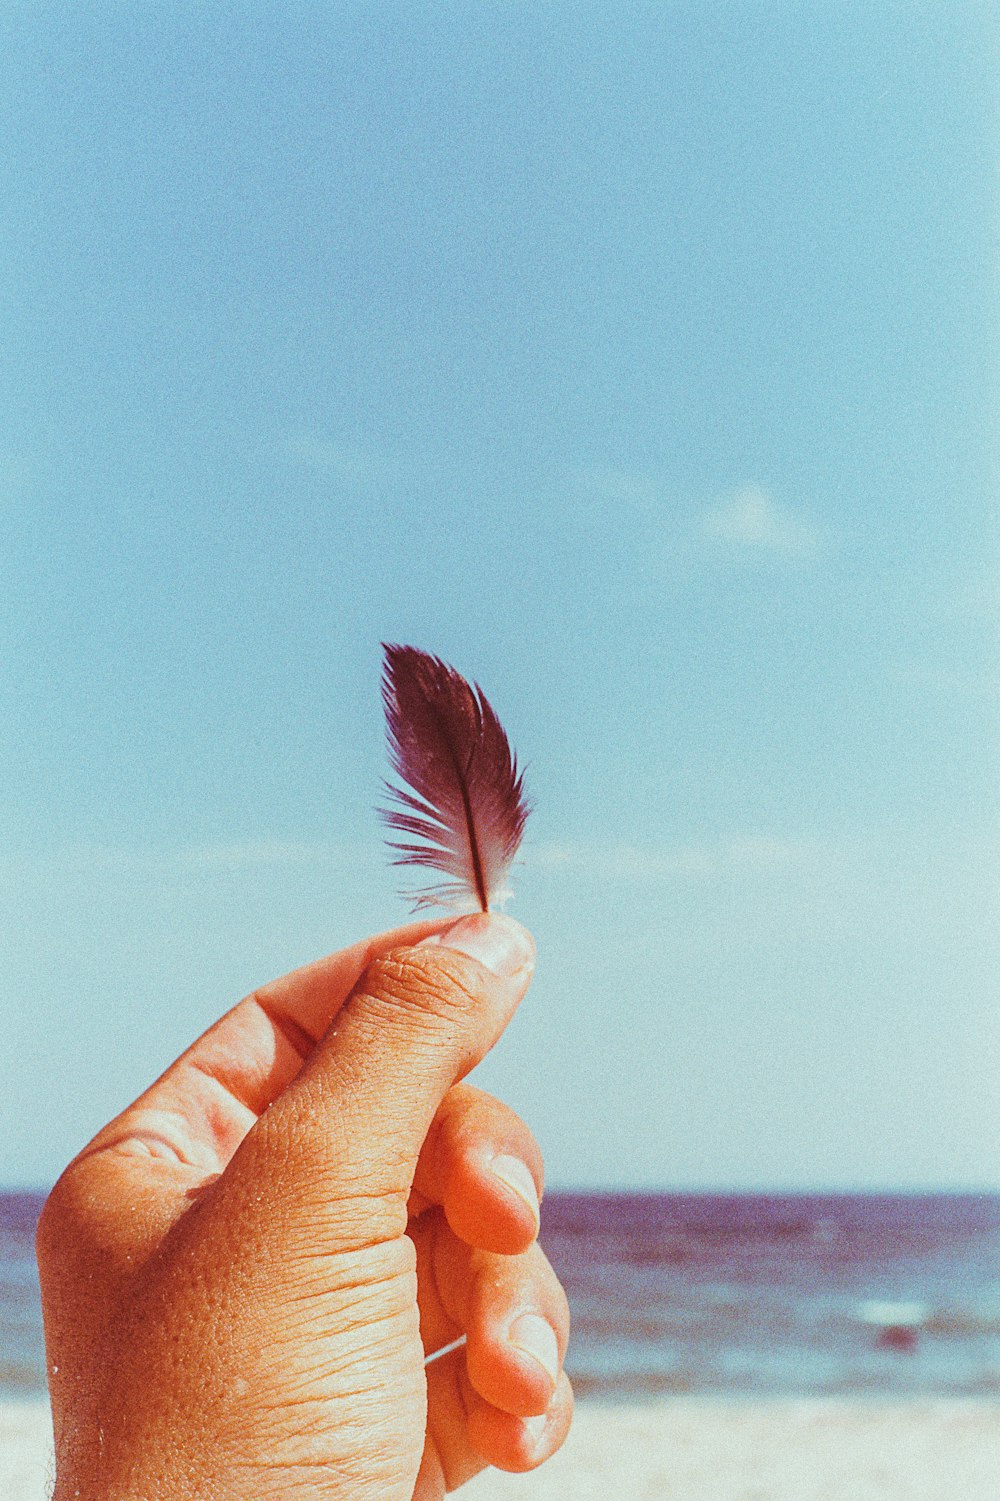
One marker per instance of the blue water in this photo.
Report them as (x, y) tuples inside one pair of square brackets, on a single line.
[(726, 1294), (775, 1294), (22, 1356)]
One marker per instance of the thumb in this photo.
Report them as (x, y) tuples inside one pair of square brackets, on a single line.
[(349, 1128)]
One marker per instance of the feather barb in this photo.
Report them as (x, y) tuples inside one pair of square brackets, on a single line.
[(462, 809)]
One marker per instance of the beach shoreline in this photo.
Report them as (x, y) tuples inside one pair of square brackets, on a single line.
[(697, 1449)]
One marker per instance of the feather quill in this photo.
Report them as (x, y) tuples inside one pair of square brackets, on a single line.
[(462, 809)]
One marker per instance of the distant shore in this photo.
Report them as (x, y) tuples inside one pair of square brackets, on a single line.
[(697, 1449)]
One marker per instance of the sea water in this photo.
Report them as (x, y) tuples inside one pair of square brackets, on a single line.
[(711, 1293), (780, 1294)]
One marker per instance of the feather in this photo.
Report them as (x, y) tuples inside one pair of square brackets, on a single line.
[(463, 808)]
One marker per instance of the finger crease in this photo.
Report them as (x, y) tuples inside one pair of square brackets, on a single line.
[(297, 1037)]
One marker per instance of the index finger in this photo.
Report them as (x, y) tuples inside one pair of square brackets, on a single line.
[(201, 1108)]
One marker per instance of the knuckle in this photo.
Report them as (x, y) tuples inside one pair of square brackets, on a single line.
[(470, 1115), (61, 1220), (497, 1116), (438, 987)]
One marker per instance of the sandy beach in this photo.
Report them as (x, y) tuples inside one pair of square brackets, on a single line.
[(698, 1450)]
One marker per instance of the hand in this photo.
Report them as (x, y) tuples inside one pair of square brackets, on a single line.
[(243, 1274)]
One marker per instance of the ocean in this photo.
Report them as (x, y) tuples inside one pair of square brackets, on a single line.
[(719, 1294)]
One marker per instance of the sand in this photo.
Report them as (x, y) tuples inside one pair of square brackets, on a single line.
[(698, 1450), (789, 1450), (25, 1450)]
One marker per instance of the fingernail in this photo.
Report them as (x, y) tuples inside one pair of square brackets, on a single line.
[(516, 1175), (534, 1336), (535, 1429), (498, 942)]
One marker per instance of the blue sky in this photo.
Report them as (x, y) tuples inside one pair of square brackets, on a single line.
[(641, 361)]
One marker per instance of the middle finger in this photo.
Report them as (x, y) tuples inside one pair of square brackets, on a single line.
[(483, 1166)]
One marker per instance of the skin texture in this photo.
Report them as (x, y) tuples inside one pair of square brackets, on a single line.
[(243, 1273)]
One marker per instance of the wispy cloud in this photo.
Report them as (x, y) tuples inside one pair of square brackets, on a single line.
[(622, 860), (751, 519), (16, 476), (604, 484), (950, 680), (344, 462), (247, 854), (251, 853)]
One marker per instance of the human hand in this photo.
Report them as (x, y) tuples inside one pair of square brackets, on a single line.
[(243, 1273)]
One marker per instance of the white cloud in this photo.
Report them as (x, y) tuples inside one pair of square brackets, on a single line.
[(950, 680), (17, 475), (262, 852), (624, 861), (751, 519), (165, 862), (605, 485), (764, 852), (550, 854), (342, 461)]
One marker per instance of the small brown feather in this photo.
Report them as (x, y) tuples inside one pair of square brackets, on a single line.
[(463, 808)]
